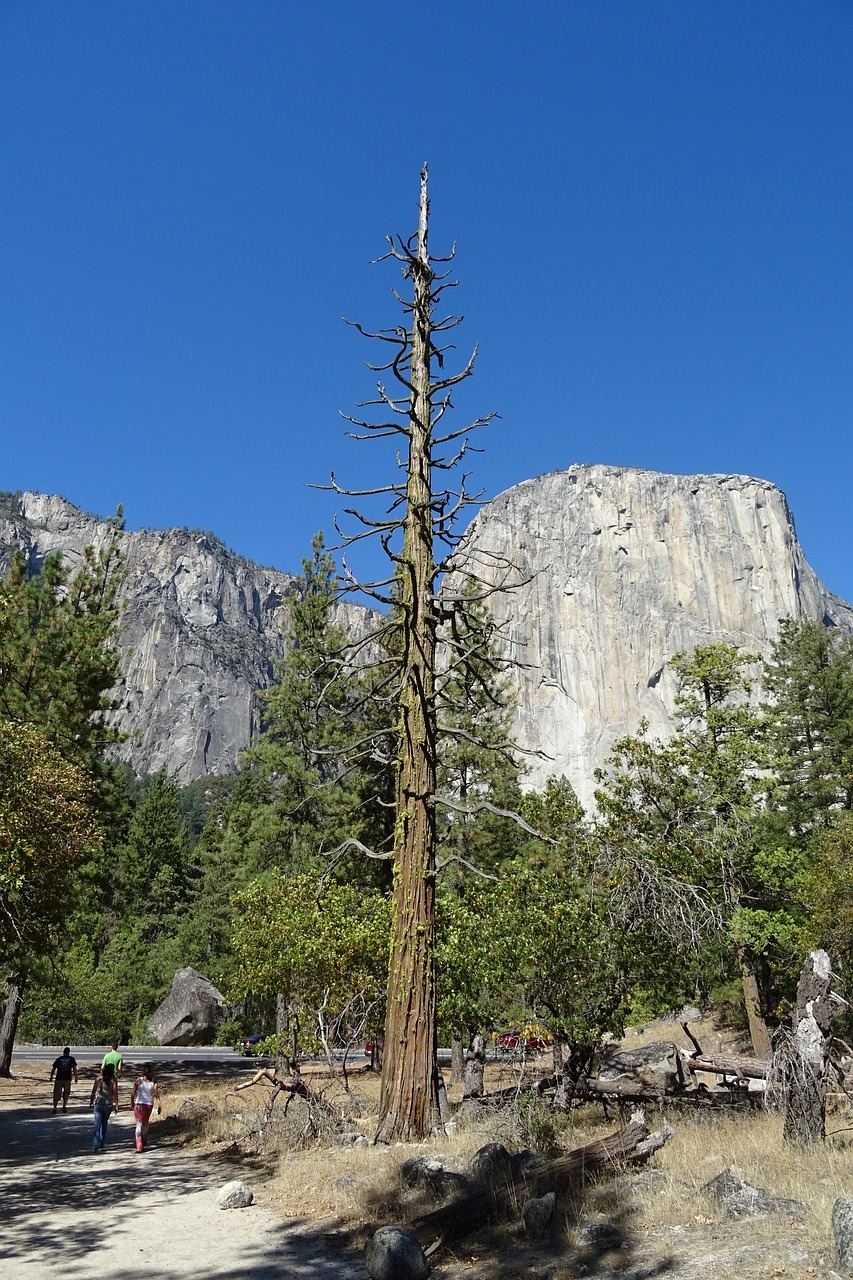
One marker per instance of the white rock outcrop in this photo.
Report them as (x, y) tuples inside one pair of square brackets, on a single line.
[(622, 569)]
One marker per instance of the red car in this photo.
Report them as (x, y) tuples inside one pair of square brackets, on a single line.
[(510, 1041)]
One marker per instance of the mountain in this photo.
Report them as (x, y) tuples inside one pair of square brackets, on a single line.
[(620, 569), (623, 568), (201, 628)]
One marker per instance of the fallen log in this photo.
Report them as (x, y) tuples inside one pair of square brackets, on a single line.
[(612, 1091), (630, 1145), (725, 1064), (729, 1064)]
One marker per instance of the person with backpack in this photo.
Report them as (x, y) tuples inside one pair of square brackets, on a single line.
[(103, 1100), (64, 1068)]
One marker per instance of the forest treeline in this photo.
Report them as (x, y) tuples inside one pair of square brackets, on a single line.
[(713, 862)]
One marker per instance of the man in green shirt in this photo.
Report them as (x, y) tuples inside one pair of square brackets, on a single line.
[(115, 1058)]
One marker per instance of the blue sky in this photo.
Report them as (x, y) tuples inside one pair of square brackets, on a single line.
[(651, 201)]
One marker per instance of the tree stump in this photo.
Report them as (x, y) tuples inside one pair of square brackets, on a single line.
[(475, 1068), (802, 1061)]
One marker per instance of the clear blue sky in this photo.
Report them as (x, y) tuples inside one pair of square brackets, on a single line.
[(651, 202)]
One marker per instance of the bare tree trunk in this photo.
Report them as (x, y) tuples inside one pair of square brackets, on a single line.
[(475, 1068), (9, 1025), (758, 1028), (457, 1058), (408, 1103), (805, 1059)]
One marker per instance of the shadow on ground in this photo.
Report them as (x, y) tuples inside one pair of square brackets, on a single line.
[(71, 1213)]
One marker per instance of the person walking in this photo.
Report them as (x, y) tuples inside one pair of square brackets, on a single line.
[(103, 1100), (115, 1058), (146, 1091), (64, 1068)]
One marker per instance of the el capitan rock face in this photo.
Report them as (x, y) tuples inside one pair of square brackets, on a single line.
[(623, 569)]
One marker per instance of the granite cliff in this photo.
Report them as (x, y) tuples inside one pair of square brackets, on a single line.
[(201, 629), (622, 568)]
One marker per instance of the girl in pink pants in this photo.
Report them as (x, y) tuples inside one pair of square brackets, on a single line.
[(146, 1092)]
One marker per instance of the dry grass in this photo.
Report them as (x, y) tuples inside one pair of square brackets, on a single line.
[(663, 1211)]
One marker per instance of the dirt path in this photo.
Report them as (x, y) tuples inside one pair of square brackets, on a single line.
[(65, 1212)]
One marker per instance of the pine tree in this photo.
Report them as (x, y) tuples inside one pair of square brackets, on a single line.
[(316, 750), (58, 667)]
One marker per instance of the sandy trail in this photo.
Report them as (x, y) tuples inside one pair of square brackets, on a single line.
[(65, 1212)]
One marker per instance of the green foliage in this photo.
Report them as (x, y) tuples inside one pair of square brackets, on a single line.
[(316, 716), (540, 1128), (46, 830), (58, 660), (477, 766), (679, 818), (323, 954), (154, 860), (810, 678)]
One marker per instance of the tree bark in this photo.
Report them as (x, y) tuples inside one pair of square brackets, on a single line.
[(475, 1068), (408, 1102), (457, 1058), (758, 1028), (804, 1061), (9, 1025), (730, 1064)]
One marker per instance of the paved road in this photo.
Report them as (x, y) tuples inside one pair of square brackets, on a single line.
[(136, 1053)]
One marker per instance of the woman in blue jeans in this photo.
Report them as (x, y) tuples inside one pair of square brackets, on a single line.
[(103, 1098)]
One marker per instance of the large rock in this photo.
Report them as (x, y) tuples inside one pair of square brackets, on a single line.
[(393, 1253), (621, 569), (235, 1195), (200, 632), (191, 1012), (655, 1064)]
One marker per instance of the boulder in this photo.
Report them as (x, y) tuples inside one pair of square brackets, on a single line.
[(537, 1212), (191, 1012), (191, 1111), (235, 1195), (655, 1065), (394, 1254), (427, 1173), (842, 1228), (492, 1164), (740, 1200)]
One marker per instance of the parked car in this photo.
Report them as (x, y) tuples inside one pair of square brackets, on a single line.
[(249, 1046), (514, 1041)]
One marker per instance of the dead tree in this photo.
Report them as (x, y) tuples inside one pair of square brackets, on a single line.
[(419, 523), (800, 1063), (632, 1144)]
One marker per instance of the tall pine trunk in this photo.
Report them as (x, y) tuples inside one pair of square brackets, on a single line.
[(409, 1096)]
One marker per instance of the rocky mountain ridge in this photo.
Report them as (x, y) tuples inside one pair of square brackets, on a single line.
[(623, 568), (201, 629), (620, 569)]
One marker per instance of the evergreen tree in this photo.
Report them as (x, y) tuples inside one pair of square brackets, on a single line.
[(680, 817), (810, 677), (154, 862), (58, 658), (314, 714), (58, 665), (478, 773)]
